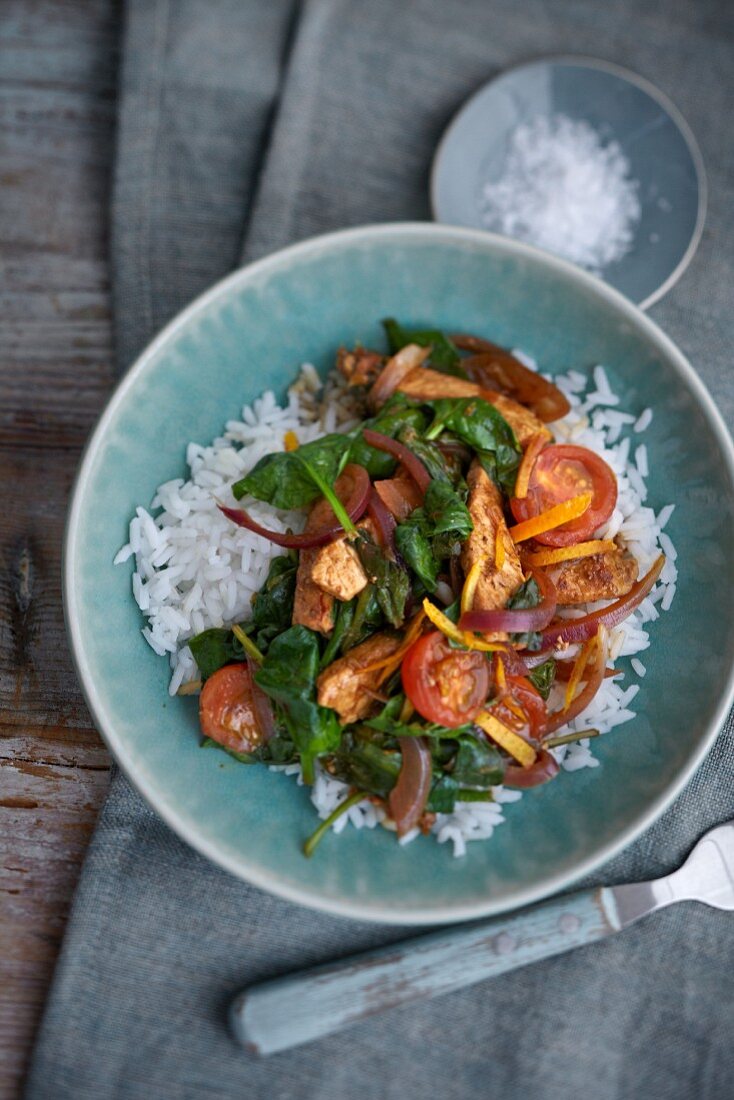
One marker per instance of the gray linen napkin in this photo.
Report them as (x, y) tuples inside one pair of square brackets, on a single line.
[(245, 125)]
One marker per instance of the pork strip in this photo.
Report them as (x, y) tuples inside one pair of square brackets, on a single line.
[(399, 494), (495, 585), (599, 577), (345, 686)]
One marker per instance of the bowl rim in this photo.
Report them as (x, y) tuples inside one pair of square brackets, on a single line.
[(267, 879), (583, 61)]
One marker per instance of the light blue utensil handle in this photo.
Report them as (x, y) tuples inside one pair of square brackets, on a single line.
[(298, 1008)]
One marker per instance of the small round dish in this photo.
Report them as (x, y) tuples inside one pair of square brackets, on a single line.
[(251, 332), (662, 152)]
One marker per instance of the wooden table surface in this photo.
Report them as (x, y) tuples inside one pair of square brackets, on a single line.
[(58, 62)]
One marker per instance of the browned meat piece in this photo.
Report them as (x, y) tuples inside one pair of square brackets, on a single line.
[(524, 423), (312, 607), (345, 686), (336, 569), (399, 494), (430, 385), (485, 507), (360, 367), (598, 577)]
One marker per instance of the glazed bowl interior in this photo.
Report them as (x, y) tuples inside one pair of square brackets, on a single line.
[(251, 332)]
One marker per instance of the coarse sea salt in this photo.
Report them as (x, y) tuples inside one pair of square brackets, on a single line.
[(564, 189)]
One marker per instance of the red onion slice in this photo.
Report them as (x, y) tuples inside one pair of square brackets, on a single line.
[(544, 769), (515, 621), (594, 676), (515, 665), (395, 370), (383, 520), (407, 800), (355, 507), (500, 367), (398, 450)]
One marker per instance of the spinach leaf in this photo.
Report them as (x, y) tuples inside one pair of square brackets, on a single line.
[(478, 764), (290, 479), (343, 619), (527, 595), (288, 676), (476, 769), (391, 581), (442, 797), (416, 551), (272, 606), (367, 618), (388, 721), (428, 453), (432, 532), (368, 767), (543, 677), (483, 428), (396, 415), (446, 511), (453, 611), (214, 648), (280, 749), (444, 355), (445, 794)]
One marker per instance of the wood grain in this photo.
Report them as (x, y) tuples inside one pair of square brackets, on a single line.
[(58, 63)]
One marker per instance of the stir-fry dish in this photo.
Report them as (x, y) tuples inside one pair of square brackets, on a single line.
[(448, 574)]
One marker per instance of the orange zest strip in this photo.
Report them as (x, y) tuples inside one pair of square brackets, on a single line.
[(470, 584), (499, 549), (290, 441), (451, 630), (507, 739), (407, 710), (533, 449), (570, 553), (391, 662), (578, 669), (499, 674), (553, 517)]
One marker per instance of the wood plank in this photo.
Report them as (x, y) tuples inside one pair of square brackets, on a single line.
[(38, 685), (58, 61), (47, 815)]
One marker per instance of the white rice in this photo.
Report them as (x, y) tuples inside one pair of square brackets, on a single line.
[(194, 569)]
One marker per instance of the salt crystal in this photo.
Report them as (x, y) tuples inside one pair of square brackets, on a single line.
[(565, 190)]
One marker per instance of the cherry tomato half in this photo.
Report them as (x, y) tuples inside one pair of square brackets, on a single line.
[(445, 685), (525, 696), (226, 712), (561, 472)]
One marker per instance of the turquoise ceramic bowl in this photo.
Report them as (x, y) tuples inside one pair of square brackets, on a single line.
[(253, 330)]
